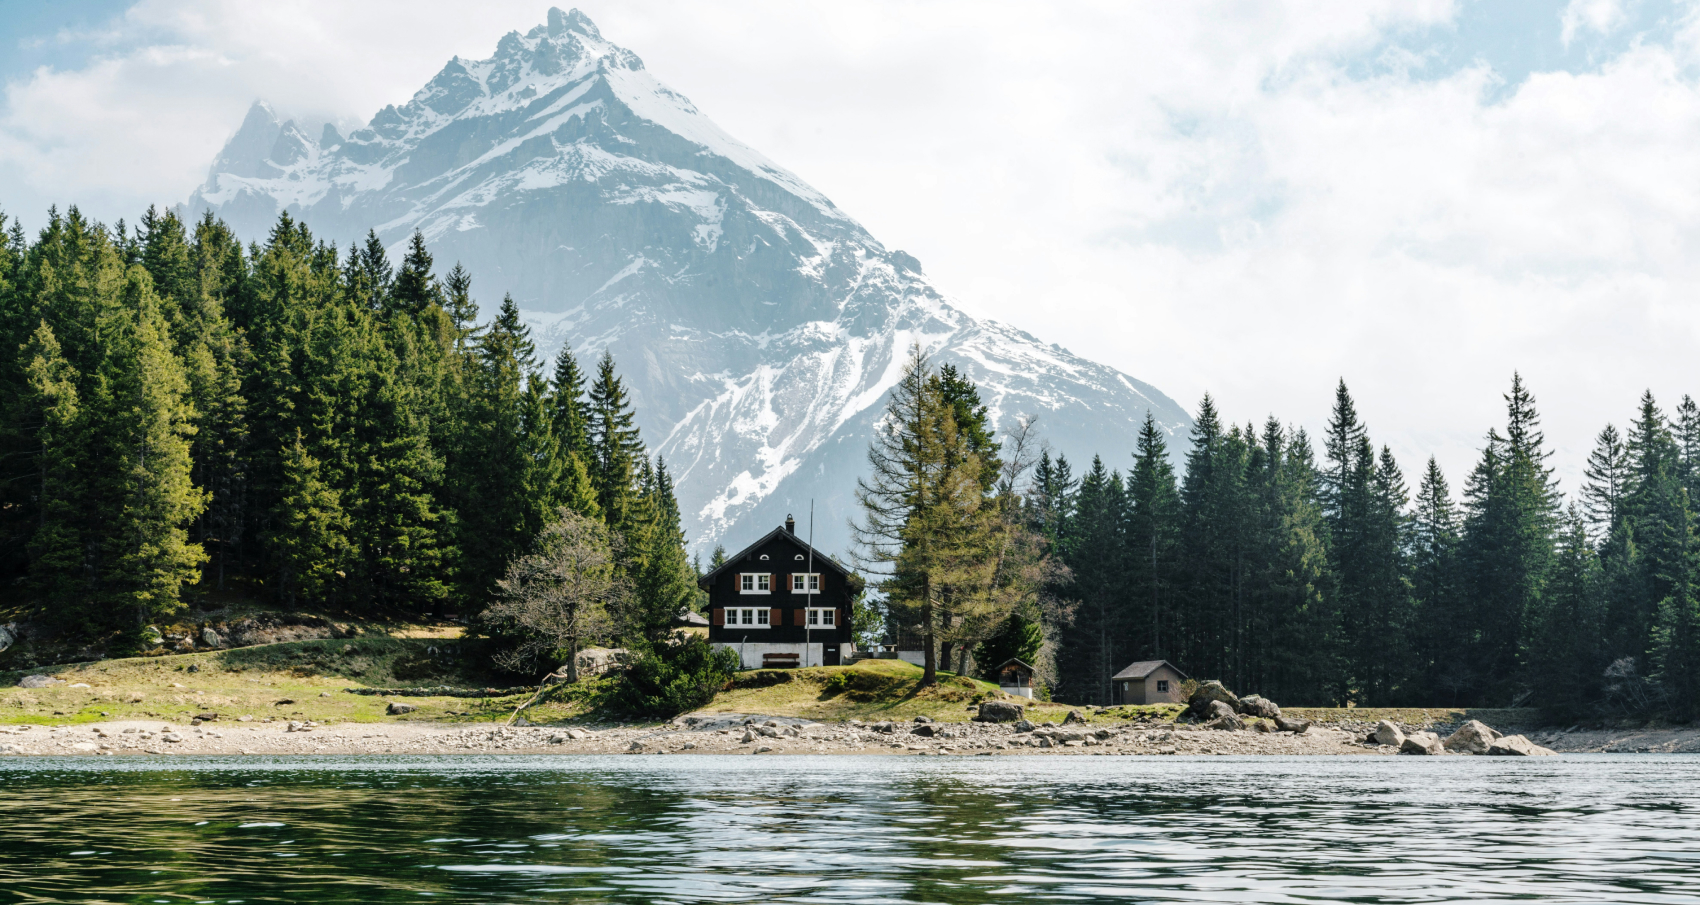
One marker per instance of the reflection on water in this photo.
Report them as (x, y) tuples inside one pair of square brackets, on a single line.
[(865, 830)]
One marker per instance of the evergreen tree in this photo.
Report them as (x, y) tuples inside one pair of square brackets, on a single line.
[(65, 523), (1507, 551), (1095, 550), (1438, 635), (415, 288), (925, 523), (494, 470), (662, 579), (1152, 533), (150, 499), (616, 451), (368, 276), (1605, 481), (569, 413), (1569, 657), (1050, 497), (1688, 446)]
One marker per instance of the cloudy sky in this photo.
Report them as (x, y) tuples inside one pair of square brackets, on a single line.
[(1249, 199)]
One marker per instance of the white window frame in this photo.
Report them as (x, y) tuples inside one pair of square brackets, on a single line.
[(822, 617), (797, 582), (755, 583), (747, 617)]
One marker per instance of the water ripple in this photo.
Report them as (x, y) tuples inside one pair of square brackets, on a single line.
[(864, 830)]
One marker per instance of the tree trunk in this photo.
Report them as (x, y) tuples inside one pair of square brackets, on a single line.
[(929, 660), (572, 660)]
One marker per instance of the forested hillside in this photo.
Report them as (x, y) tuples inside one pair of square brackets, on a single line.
[(1326, 579), (187, 416)]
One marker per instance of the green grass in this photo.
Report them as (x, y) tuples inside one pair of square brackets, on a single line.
[(1497, 717), (874, 690), (301, 680)]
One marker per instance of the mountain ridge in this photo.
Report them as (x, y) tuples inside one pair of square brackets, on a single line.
[(759, 326)]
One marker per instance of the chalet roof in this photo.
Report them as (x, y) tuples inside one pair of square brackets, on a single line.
[(1014, 661), (1144, 668), (821, 560)]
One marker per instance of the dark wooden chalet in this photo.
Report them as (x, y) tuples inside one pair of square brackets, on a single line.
[(778, 603)]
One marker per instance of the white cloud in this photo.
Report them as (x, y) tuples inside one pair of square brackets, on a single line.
[(1598, 16), (1209, 196)]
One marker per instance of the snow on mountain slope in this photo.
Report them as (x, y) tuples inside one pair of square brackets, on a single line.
[(759, 326)]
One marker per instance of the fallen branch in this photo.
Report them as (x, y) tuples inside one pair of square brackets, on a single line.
[(542, 688)]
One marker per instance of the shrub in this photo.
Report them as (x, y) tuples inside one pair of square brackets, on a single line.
[(676, 676)]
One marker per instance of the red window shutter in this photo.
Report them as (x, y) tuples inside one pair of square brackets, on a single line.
[(838, 618), (776, 617), (719, 616), (799, 617)]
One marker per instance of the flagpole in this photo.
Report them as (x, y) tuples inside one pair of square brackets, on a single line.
[(808, 628)]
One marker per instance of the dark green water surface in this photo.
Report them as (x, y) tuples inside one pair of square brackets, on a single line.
[(850, 829)]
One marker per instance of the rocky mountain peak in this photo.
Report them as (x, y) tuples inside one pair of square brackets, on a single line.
[(758, 326), (561, 23)]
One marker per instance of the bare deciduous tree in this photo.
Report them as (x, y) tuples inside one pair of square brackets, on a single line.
[(562, 594)]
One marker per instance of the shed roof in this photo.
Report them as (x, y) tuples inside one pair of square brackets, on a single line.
[(1014, 661), (1145, 668)]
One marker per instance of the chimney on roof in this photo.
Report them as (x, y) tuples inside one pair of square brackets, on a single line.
[(790, 525)]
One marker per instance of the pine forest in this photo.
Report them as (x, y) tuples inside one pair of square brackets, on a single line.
[(187, 416)]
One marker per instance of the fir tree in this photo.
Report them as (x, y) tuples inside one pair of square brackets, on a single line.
[(415, 288), (1438, 634), (494, 469), (1605, 481), (1568, 658), (1507, 551), (461, 309), (1153, 525), (616, 451)]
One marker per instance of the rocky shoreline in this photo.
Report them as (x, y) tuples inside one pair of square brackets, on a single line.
[(745, 734)]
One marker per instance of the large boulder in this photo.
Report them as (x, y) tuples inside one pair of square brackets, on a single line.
[(925, 730), (210, 638), (1074, 716), (1517, 746), (8, 635), (397, 708), (1387, 734), (999, 712), (1258, 705), (1422, 743), (1474, 737), (1024, 725), (39, 682), (1291, 725), (1198, 705), (598, 661), (1223, 717)]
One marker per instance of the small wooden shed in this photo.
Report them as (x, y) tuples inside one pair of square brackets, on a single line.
[(1148, 682), (1015, 678)]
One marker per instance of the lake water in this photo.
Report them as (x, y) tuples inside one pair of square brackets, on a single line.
[(680, 829)]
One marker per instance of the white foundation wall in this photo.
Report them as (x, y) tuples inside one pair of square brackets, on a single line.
[(750, 652)]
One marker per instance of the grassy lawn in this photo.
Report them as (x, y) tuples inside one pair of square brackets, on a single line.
[(875, 690), (302, 680)]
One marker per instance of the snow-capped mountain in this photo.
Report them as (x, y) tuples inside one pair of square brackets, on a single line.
[(759, 327)]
